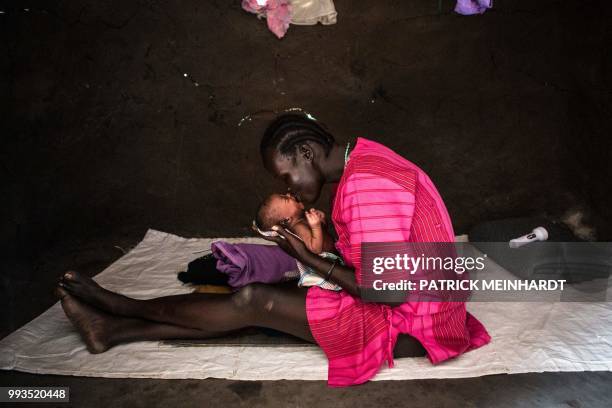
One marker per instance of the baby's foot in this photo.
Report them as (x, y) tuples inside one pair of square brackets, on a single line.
[(92, 324)]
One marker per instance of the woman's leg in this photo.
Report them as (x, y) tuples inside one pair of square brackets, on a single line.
[(101, 330), (280, 307)]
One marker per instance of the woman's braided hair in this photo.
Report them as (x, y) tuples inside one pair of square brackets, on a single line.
[(289, 130)]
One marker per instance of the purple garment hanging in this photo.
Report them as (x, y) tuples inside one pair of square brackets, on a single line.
[(469, 7), (250, 263)]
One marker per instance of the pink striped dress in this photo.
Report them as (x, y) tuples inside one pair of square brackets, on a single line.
[(382, 197)]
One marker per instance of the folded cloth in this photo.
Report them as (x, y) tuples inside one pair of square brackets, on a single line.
[(469, 7), (250, 263), (308, 277)]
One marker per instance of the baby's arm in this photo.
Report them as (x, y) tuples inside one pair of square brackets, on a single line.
[(314, 232), (319, 217), (321, 240), (312, 237)]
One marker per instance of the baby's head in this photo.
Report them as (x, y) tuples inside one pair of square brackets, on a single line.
[(278, 209)]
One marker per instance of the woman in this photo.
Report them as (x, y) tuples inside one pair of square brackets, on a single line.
[(379, 197)]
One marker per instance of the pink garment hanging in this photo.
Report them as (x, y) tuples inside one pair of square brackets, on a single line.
[(277, 13)]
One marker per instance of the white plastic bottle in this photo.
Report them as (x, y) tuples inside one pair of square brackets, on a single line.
[(538, 234)]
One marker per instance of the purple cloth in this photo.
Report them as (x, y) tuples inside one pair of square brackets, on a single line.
[(469, 7), (249, 263)]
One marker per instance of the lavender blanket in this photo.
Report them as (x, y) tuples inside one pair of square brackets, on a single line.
[(249, 263)]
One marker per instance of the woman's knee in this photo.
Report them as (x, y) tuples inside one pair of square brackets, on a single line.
[(254, 296)]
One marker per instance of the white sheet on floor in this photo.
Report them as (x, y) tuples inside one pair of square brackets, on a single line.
[(527, 337)]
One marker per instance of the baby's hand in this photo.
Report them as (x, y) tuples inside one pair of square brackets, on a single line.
[(315, 218)]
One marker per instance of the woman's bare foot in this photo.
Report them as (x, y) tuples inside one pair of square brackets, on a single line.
[(93, 325), (87, 290)]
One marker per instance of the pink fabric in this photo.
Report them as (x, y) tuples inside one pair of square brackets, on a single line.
[(277, 12), (382, 197)]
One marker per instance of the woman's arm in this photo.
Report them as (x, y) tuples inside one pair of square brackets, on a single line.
[(342, 275)]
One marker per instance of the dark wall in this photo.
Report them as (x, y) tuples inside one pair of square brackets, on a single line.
[(589, 99), (508, 112)]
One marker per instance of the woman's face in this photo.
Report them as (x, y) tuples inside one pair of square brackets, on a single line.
[(299, 174)]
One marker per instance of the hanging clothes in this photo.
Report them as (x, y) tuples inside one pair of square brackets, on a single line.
[(469, 7), (280, 13)]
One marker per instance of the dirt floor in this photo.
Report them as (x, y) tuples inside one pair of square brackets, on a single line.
[(569, 390), (128, 115)]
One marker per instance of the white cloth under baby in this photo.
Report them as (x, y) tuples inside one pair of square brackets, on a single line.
[(308, 277)]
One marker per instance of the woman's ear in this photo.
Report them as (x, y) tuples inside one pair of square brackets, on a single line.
[(306, 152)]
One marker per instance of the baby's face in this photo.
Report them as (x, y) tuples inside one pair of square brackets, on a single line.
[(286, 207)]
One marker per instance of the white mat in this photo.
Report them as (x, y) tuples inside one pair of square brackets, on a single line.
[(527, 337)]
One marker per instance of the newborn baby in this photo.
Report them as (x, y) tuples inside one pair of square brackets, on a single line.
[(309, 226), (286, 211)]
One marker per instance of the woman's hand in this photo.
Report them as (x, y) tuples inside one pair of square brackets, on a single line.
[(295, 247), (292, 245)]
